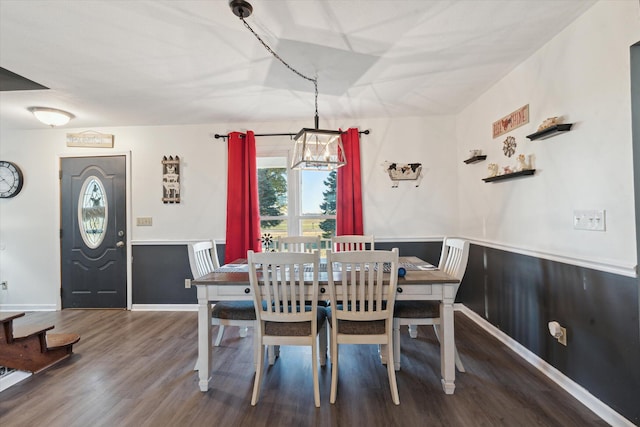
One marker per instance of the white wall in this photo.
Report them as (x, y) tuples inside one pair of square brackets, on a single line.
[(582, 75), (29, 223)]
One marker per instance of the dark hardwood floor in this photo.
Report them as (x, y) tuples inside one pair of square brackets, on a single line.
[(136, 369)]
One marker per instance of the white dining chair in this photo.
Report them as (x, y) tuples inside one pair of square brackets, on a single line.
[(352, 243), (298, 243), (363, 313), (453, 261), (278, 282), (203, 259), (307, 244)]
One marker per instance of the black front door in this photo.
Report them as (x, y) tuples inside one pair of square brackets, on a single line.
[(93, 232)]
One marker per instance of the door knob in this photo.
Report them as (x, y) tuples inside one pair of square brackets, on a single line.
[(120, 244)]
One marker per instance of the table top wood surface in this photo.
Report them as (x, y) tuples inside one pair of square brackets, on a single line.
[(411, 277)]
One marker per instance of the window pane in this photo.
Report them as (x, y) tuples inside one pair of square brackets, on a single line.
[(325, 228), (318, 192), (288, 196), (92, 212), (272, 186)]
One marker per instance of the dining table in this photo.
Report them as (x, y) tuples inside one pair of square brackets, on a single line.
[(421, 281)]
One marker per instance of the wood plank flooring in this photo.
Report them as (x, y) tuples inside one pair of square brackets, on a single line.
[(136, 369)]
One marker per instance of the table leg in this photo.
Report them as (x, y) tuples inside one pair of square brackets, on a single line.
[(204, 339), (322, 344), (447, 347)]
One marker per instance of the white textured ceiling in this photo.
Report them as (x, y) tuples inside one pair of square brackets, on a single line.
[(114, 63)]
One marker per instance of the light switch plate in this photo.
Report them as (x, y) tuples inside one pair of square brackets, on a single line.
[(589, 219), (144, 221)]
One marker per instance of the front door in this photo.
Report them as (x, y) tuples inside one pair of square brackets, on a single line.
[(93, 232)]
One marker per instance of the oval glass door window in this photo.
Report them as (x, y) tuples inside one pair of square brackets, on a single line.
[(92, 212)]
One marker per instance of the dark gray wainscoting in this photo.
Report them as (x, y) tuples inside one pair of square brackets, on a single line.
[(520, 294), (158, 274)]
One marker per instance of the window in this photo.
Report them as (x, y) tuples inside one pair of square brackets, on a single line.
[(92, 212), (293, 202)]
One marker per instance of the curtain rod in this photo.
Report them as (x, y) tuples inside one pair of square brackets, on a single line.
[(290, 135)]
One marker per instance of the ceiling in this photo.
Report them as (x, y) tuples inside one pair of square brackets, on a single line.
[(121, 63)]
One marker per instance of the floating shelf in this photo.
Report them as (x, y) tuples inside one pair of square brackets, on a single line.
[(476, 159), (549, 132), (509, 175)]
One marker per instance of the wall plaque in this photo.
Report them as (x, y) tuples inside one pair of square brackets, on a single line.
[(171, 179), (90, 139), (511, 121)]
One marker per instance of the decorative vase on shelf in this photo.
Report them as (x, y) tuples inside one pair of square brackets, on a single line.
[(493, 169)]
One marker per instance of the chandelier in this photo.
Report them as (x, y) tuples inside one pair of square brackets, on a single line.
[(314, 148)]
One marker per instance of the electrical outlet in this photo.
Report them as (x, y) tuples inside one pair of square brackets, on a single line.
[(187, 283), (562, 339), (4, 285), (144, 221)]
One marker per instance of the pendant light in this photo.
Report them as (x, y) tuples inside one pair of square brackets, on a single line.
[(314, 148)]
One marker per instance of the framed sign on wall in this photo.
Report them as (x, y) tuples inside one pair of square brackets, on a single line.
[(171, 179), (511, 121)]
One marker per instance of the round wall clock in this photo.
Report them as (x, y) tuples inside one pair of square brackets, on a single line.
[(11, 179)]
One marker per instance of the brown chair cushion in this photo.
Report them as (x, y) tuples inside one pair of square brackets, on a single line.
[(372, 327), (416, 309), (295, 329), (234, 310), (350, 327)]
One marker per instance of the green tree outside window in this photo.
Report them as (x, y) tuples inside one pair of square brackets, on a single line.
[(328, 206), (272, 191)]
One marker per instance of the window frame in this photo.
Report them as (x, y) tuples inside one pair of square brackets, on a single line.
[(294, 216)]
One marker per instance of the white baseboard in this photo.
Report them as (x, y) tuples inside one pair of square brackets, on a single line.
[(27, 307), (164, 307), (13, 378), (134, 307), (577, 391)]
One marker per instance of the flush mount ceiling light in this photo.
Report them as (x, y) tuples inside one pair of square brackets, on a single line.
[(314, 149), (51, 116)]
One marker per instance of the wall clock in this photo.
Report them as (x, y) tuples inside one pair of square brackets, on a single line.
[(11, 179)]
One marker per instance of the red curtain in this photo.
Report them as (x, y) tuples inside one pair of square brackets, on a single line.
[(243, 211), (349, 199)]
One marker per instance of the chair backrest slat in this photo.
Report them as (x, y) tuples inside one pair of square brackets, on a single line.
[(347, 243), (298, 243), (279, 281), (367, 292), (203, 258), (454, 257)]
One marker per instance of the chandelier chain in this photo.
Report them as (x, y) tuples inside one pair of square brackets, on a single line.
[(275, 55)]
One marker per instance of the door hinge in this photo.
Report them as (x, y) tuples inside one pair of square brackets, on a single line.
[(61, 233), (61, 292), (60, 174)]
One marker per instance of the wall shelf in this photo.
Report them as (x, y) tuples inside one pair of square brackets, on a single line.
[(510, 175), (551, 131), (476, 159)]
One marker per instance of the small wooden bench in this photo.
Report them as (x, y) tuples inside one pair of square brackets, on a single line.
[(31, 348)]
